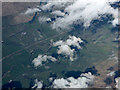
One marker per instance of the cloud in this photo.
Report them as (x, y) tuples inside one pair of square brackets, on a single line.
[(83, 81), (32, 10), (58, 13), (74, 41), (81, 11), (38, 84), (42, 58), (51, 4), (65, 49), (44, 19), (64, 46), (111, 73), (117, 81)]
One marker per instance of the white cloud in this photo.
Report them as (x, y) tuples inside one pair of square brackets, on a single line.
[(74, 41), (32, 10), (81, 82), (58, 13), (38, 84), (111, 73), (56, 4), (66, 50), (64, 46), (42, 58), (117, 80), (43, 19), (82, 11)]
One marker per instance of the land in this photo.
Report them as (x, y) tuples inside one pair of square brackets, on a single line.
[(24, 40)]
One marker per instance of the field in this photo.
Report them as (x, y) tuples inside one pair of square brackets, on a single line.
[(23, 42)]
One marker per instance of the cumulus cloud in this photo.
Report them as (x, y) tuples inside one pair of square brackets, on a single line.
[(81, 11), (64, 46), (81, 82), (65, 49), (44, 19), (58, 13), (117, 80), (32, 10), (38, 84), (42, 58), (55, 4), (111, 73)]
